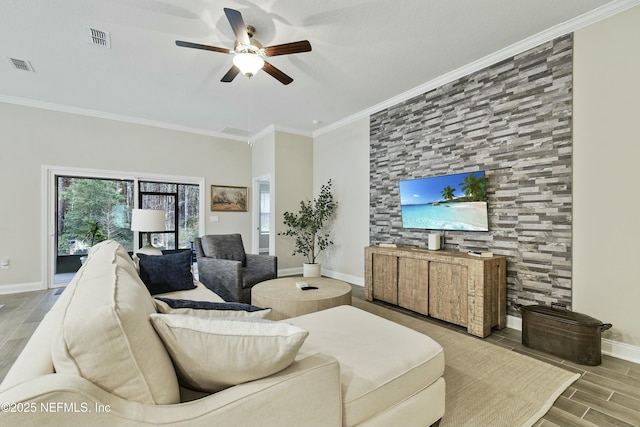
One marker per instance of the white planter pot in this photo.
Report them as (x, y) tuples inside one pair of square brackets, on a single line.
[(311, 270)]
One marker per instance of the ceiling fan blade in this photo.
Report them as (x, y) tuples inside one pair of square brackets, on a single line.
[(201, 46), (237, 25), (288, 48), (279, 75), (231, 74)]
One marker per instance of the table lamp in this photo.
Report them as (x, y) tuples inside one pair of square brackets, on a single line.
[(148, 221)]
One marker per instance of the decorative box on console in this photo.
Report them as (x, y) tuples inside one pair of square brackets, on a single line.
[(563, 333)]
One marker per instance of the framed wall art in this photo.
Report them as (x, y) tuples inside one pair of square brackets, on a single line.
[(225, 198)]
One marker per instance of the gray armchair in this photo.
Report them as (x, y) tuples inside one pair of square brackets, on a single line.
[(225, 268)]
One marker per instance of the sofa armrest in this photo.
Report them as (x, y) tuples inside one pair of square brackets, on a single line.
[(35, 358), (307, 393), (222, 276), (263, 262)]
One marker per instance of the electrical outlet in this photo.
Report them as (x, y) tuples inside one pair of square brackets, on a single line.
[(5, 263)]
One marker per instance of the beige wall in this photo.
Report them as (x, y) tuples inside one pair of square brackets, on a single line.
[(263, 152), (292, 183), (606, 282), (32, 137), (263, 166), (343, 156)]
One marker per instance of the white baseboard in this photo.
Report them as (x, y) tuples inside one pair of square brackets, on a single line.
[(21, 287), (290, 271), (612, 348), (514, 322), (355, 280), (621, 350)]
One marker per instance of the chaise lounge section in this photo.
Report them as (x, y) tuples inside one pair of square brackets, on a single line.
[(96, 359)]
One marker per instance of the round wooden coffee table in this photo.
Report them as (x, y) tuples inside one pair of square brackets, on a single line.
[(286, 300)]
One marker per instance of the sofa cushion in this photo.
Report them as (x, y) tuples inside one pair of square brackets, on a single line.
[(166, 273), (211, 354), (224, 246), (209, 309), (381, 363), (105, 335)]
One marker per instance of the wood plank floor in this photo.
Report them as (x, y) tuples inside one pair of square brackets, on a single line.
[(605, 395)]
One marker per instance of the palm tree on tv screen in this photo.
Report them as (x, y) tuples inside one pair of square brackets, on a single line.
[(447, 192), (474, 188)]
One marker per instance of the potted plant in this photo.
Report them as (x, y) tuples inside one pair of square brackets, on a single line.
[(308, 228)]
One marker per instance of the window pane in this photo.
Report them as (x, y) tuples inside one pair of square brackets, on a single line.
[(264, 202), (189, 216), (264, 211), (181, 201), (264, 222), (90, 210), (157, 187)]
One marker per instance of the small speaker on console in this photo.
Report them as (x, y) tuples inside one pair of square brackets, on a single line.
[(434, 242)]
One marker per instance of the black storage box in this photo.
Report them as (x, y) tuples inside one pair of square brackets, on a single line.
[(563, 333)]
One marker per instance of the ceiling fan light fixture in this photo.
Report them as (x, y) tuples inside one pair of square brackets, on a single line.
[(248, 63)]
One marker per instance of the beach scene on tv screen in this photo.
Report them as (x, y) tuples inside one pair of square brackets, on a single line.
[(448, 202)]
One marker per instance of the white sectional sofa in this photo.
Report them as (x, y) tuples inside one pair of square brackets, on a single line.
[(97, 360)]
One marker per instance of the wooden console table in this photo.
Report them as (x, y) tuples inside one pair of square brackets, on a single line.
[(452, 286)]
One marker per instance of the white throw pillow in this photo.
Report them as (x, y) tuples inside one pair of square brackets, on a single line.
[(211, 354)]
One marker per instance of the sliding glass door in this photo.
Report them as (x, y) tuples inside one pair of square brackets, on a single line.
[(86, 207), (88, 211)]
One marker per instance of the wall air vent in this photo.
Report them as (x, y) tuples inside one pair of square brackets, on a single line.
[(97, 37), (21, 64)]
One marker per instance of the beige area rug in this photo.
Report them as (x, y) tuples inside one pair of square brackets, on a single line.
[(487, 385)]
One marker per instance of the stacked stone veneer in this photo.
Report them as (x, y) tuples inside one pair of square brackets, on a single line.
[(513, 120)]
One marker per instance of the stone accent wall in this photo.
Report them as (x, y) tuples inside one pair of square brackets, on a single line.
[(513, 120)]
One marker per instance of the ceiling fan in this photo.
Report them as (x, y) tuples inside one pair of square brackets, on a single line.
[(248, 54)]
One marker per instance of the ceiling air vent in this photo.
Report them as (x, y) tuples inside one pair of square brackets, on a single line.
[(97, 37), (21, 64)]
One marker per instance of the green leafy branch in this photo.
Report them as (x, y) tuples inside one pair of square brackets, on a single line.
[(307, 227)]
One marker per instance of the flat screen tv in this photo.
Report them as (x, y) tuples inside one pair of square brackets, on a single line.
[(448, 202)]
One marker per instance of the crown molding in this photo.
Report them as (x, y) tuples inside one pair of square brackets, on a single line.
[(117, 117), (262, 133), (294, 131), (135, 120), (273, 129), (569, 26), (566, 27)]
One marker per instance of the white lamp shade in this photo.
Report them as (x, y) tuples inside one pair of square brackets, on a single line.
[(146, 220), (248, 63)]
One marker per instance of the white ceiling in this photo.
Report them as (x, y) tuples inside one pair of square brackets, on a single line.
[(365, 54)]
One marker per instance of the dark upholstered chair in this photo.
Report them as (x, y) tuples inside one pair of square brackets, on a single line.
[(225, 268)]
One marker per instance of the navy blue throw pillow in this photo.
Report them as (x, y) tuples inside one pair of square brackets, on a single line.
[(166, 273), (209, 305)]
